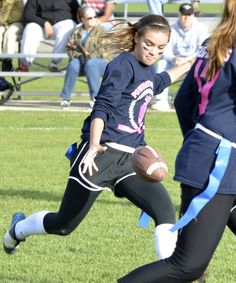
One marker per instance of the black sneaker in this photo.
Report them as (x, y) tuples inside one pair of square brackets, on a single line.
[(10, 243)]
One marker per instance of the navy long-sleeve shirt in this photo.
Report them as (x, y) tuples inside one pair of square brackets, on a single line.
[(213, 105), (127, 88)]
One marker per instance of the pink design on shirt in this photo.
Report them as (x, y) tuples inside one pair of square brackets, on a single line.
[(138, 107), (204, 90), (205, 93), (142, 112), (197, 78), (128, 129)]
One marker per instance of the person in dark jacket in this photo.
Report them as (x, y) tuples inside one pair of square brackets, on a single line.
[(47, 19)]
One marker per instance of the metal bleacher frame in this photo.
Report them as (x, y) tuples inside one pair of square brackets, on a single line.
[(126, 13), (20, 78)]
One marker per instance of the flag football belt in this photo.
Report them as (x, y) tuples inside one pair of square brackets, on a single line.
[(223, 152), (211, 133)]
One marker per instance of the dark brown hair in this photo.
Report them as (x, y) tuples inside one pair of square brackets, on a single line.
[(121, 37)]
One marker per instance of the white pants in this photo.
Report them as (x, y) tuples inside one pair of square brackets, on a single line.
[(9, 36), (34, 33)]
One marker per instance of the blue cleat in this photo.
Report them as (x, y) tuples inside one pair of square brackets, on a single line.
[(10, 243)]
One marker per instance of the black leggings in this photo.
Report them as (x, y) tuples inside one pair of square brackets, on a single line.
[(77, 201), (195, 245)]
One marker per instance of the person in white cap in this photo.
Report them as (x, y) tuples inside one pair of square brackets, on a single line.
[(156, 6), (187, 34)]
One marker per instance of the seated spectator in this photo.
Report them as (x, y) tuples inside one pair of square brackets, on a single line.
[(104, 8), (11, 26), (47, 19), (155, 6), (86, 57), (187, 34)]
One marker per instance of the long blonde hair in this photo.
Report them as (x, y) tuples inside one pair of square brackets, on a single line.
[(121, 37), (222, 39)]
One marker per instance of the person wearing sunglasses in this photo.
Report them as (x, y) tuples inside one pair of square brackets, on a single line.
[(86, 55)]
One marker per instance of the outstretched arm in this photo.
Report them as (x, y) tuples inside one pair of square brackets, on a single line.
[(178, 71)]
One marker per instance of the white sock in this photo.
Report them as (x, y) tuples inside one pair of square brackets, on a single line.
[(31, 225), (165, 240)]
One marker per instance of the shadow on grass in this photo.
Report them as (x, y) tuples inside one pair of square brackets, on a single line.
[(49, 196)]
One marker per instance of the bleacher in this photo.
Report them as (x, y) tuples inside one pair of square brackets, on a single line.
[(124, 9), (38, 70)]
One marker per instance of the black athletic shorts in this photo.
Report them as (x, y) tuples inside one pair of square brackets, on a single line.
[(113, 166)]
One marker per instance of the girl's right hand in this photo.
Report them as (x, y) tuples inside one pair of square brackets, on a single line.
[(88, 162)]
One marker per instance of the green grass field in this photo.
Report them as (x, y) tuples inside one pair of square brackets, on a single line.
[(108, 243)]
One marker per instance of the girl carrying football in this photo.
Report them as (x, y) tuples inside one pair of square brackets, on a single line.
[(109, 136)]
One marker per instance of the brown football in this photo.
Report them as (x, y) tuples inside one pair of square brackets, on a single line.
[(149, 164)]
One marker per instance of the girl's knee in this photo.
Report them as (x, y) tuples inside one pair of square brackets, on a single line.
[(191, 271), (64, 231), (186, 267), (196, 273)]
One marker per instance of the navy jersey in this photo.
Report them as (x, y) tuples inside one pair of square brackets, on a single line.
[(213, 105), (126, 90)]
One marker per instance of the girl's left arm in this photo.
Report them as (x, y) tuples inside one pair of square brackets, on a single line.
[(178, 71), (166, 78)]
